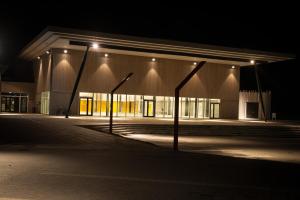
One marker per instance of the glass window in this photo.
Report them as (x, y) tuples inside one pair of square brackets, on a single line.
[(97, 105), (85, 94), (138, 111), (192, 107), (149, 97), (121, 105), (45, 98), (200, 108), (215, 100), (104, 105), (169, 106), (160, 108), (206, 108), (214, 110), (115, 105), (184, 107), (130, 105)]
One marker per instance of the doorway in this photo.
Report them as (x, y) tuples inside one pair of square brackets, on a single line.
[(86, 106), (214, 110), (252, 110), (149, 108)]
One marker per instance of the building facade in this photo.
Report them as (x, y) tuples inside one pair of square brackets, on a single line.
[(158, 66), (17, 97)]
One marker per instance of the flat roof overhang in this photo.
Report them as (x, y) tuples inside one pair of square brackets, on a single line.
[(55, 37)]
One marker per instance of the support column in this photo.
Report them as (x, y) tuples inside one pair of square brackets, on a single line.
[(260, 92), (77, 81)]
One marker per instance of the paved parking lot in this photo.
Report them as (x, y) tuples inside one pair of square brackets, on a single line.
[(44, 157), (270, 141)]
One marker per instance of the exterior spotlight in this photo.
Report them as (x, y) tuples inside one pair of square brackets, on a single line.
[(153, 59), (106, 55), (252, 62), (95, 45), (232, 67), (47, 52), (38, 57), (195, 63), (65, 51)]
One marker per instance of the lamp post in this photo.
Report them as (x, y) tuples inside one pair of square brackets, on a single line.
[(177, 91), (112, 100)]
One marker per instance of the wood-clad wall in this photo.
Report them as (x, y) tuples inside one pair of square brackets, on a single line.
[(42, 72), (158, 78)]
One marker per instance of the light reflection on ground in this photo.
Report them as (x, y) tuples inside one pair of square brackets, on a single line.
[(252, 148)]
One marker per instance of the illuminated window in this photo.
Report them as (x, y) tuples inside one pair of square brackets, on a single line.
[(104, 105), (97, 105), (169, 106), (192, 107), (160, 109), (138, 111), (45, 99), (85, 94), (121, 105), (130, 105), (200, 108)]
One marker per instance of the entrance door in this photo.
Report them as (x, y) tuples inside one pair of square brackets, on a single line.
[(86, 106), (10, 104), (214, 110), (149, 108)]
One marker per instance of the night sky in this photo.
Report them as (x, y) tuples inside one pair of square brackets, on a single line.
[(244, 25)]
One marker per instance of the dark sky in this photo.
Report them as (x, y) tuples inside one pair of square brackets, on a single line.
[(245, 25), (248, 24)]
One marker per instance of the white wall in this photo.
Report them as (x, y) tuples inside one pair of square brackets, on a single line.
[(253, 96)]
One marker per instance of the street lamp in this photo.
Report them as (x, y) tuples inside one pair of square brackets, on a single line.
[(177, 92), (112, 100)]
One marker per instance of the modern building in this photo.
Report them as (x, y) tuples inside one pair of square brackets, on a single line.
[(158, 66)]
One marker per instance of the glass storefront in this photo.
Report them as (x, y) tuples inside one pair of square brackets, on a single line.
[(14, 102), (125, 105)]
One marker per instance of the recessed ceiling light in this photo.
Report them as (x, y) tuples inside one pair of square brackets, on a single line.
[(195, 63), (38, 57), (153, 59), (95, 45), (65, 51), (233, 67), (106, 55), (47, 52), (252, 62)]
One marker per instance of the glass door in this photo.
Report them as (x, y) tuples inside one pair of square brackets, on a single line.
[(149, 108), (86, 106), (214, 110)]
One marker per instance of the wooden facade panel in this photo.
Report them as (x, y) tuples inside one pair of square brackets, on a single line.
[(42, 72), (158, 78)]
